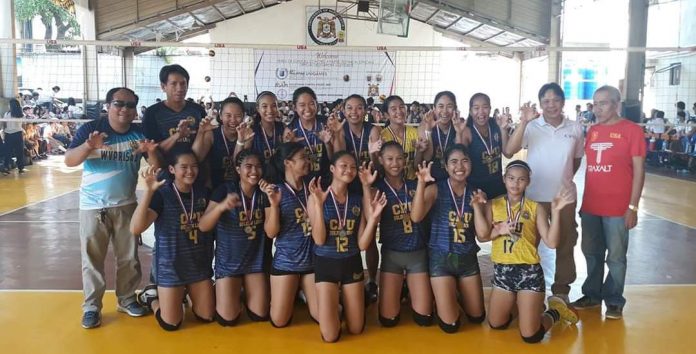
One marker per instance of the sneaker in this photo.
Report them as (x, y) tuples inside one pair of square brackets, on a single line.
[(371, 292), (614, 312), (585, 302), (134, 309), (91, 319), (567, 313), (146, 296)]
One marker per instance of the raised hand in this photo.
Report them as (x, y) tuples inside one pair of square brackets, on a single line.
[(315, 191), (374, 146), (377, 204), (458, 122), (478, 197), (206, 125), (233, 200), (149, 176), (366, 174), (430, 120), (423, 174), (273, 193), (503, 120), (333, 124), (147, 146), (183, 128), (244, 133), (564, 197), (527, 113), (325, 135), (502, 228), (95, 140)]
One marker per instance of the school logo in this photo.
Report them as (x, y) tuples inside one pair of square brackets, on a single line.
[(372, 90), (525, 215), (599, 147), (281, 73), (356, 210), (326, 27), (282, 94)]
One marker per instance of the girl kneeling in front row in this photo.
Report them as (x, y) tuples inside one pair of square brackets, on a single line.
[(516, 224), (184, 253), (343, 224)]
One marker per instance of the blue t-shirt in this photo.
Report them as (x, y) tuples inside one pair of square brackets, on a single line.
[(110, 174), (160, 122), (265, 146), (316, 149), (358, 146), (442, 140), (220, 157)]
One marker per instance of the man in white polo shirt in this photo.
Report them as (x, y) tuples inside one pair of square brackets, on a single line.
[(555, 149)]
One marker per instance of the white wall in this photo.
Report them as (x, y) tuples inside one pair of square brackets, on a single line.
[(664, 95)]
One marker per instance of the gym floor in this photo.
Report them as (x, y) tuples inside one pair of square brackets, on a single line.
[(40, 289)]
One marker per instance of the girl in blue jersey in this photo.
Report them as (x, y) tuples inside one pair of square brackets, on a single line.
[(343, 224), (267, 132), (486, 140), (404, 249), (288, 224), (516, 224), (236, 212), (444, 130), (452, 248), (362, 139), (220, 144), (184, 252), (310, 131)]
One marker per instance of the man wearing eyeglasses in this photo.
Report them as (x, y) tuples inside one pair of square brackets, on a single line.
[(111, 149)]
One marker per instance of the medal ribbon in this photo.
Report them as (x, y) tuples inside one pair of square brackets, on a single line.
[(292, 191), (510, 215), (402, 142), (489, 146), (439, 140), (341, 223), (248, 211), (189, 217), (454, 200), (397, 195), (356, 150)]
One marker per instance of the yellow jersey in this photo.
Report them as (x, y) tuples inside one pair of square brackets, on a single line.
[(409, 148), (506, 248)]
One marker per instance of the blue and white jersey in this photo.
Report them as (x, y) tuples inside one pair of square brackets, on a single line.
[(110, 174)]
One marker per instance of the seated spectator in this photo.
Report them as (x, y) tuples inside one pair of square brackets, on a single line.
[(73, 110)]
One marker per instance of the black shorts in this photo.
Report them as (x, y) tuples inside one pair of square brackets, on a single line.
[(275, 271), (338, 270)]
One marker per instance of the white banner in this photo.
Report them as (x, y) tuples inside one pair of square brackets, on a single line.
[(332, 75)]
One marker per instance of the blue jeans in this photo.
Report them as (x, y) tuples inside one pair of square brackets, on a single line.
[(604, 239)]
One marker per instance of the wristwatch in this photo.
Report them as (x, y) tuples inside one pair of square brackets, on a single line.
[(633, 208)]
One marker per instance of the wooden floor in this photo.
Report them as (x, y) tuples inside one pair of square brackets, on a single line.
[(39, 253)]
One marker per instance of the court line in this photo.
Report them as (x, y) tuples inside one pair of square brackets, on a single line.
[(37, 202)]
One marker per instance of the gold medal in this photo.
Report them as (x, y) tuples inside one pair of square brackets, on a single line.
[(248, 230), (460, 225), (188, 228), (342, 233)]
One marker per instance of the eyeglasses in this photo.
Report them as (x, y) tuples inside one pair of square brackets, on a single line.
[(127, 104)]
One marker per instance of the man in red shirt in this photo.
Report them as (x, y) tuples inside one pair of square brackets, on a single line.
[(615, 151)]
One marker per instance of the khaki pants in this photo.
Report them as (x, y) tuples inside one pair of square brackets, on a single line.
[(565, 261), (96, 232)]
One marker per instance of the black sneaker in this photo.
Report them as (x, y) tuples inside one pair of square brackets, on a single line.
[(585, 302), (614, 312), (146, 296), (91, 319), (371, 293)]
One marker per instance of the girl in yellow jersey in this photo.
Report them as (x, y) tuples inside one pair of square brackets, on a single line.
[(516, 225)]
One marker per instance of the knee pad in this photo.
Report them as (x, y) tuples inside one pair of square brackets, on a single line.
[(256, 318), (447, 327), (537, 337), (422, 320), (503, 326), (389, 322), (202, 319), (478, 319), (286, 323), (166, 326), (226, 323)]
